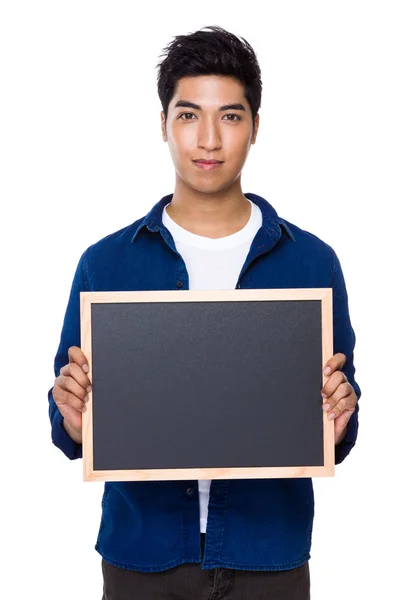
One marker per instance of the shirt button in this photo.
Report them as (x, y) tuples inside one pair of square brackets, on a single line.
[(180, 283), (190, 491)]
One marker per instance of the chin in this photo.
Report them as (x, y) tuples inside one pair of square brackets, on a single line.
[(208, 187)]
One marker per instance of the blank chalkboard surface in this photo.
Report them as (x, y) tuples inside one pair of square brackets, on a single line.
[(206, 384)]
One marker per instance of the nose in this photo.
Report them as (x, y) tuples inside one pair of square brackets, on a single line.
[(209, 135)]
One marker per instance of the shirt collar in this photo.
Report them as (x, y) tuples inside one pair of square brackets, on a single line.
[(270, 219)]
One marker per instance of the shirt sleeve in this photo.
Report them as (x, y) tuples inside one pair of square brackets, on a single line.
[(344, 342), (70, 336)]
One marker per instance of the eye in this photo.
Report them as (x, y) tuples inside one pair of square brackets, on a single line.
[(184, 115), (238, 118)]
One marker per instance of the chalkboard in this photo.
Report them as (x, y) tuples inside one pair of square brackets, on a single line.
[(206, 384)]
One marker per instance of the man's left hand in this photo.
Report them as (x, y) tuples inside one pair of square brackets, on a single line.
[(339, 398)]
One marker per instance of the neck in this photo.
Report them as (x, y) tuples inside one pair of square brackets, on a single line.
[(210, 215)]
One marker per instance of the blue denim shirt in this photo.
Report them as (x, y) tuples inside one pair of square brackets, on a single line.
[(253, 524)]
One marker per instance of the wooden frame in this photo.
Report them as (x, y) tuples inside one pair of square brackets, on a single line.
[(88, 298)]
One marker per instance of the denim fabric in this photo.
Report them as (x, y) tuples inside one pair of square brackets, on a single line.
[(253, 524)]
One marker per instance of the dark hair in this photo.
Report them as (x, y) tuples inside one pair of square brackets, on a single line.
[(212, 52)]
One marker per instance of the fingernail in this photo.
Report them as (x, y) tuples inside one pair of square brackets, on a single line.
[(84, 408), (327, 370), (85, 368), (326, 407), (89, 389), (324, 395), (332, 416)]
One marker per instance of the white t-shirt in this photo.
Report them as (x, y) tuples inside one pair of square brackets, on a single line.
[(213, 264)]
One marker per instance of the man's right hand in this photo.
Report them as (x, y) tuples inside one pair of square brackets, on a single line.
[(70, 392)]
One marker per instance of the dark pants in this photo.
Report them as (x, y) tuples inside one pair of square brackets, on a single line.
[(191, 582)]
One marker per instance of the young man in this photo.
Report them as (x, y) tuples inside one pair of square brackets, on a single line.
[(247, 538)]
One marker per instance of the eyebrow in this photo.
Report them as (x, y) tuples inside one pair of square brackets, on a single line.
[(186, 104)]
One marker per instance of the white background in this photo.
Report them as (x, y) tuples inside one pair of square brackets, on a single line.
[(82, 156)]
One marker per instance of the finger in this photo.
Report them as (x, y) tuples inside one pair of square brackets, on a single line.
[(62, 397), (343, 414), (343, 391), (75, 355), (334, 364), (345, 403), (75, 371), (334, 381), (69, 384)]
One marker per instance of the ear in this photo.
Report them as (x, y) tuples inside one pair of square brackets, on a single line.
[(255, 129), (163, 127)]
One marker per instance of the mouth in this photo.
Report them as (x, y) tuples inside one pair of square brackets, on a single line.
[(207, 165)]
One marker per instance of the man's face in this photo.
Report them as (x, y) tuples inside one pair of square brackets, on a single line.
[(210, 129)]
